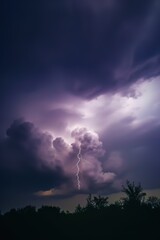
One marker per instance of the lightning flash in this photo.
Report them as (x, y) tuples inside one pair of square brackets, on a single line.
[(78, 169)]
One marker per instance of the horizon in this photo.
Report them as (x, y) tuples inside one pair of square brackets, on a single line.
[(70, 203)]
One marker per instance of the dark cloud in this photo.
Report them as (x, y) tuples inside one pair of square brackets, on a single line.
[(133, 152), (87, 46), (59, 144), (26, 162), (33, 164)]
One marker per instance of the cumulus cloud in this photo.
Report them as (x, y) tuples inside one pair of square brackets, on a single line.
[(89, 141), (32, 160), (27, 162), (92, 173), (92, 176)]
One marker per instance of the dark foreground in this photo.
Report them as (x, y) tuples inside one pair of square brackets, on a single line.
[(131, 218), (109, 223)]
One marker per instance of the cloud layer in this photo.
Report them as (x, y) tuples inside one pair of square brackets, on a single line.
[(84, 47), (82, 74)]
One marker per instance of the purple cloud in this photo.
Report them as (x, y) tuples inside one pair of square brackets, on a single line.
[(31, 155), (84, 74)]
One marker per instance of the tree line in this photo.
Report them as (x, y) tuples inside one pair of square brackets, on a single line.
[(132, 217)]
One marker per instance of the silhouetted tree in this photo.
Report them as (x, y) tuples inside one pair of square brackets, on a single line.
[(26, 211), (117, 205), (49, 211), (135, 194), (79, 209), (96, 220), (153, 202), (97, 203), (90, 203), (100, 202)]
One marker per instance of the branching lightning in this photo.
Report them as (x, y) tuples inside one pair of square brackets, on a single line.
[(78, 169)]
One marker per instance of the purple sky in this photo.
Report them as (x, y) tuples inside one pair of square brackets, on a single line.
[(78, 77)]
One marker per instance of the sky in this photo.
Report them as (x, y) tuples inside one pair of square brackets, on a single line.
[(79, 98)]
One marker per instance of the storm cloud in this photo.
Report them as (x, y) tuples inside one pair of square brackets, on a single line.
[(33, 163), (23, 169), (78, 74), (76, 43)]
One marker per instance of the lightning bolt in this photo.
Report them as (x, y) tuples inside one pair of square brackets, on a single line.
[(78, 169)]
